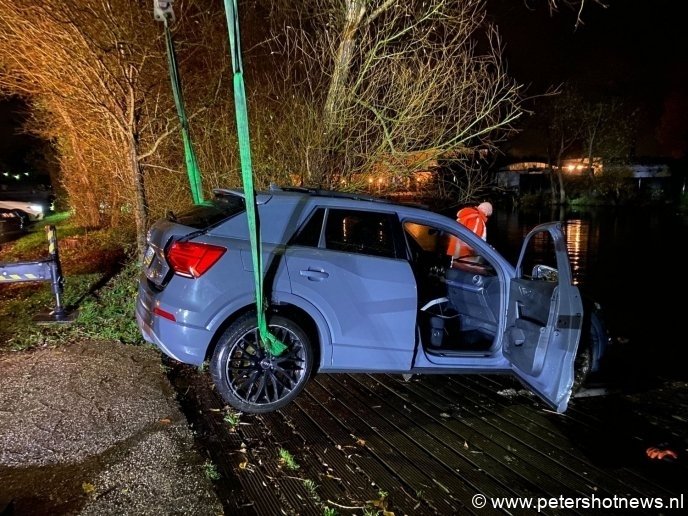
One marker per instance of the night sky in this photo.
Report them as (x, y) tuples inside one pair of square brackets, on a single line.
[(14, 145), (633, 49)]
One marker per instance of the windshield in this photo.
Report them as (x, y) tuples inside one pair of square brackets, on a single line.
[(202, 216)]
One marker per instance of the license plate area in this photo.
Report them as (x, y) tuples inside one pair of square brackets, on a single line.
[(148, 256)]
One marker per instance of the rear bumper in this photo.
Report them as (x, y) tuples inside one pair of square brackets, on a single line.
[(182, 342)]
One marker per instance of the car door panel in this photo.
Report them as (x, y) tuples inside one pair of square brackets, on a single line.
[(369, 303), (543, 325)]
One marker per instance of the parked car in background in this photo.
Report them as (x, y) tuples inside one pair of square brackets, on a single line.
[(359, 284), (10, 223), (30, 212)]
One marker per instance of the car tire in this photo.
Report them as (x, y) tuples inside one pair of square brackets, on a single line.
[(251, 380), (592, 338)]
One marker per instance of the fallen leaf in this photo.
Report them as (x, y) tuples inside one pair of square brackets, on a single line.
[(166, 421), (88, 487), (360, 442), (381, 504), (243, 465), (378, 504)]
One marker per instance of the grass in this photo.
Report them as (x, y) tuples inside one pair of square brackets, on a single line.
[(99, 284), (210, 470), (312, 489), (287, 459), (232, 418), (109, 313)]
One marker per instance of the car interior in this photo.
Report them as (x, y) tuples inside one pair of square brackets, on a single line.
[(458, 299)]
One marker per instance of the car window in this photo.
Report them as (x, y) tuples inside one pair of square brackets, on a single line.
[(432, 247), (540, 256), (362, 232), (202, 216), (428, 238), (309, 235)]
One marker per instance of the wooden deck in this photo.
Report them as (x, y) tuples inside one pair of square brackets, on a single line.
[(429, 445)]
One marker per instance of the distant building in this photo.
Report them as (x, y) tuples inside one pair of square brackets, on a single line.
[(527, 176), (408, 175)]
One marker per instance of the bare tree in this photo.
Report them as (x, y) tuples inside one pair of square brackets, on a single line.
[(346, 90), (85, 64), (97, 77), (562, 115), (597, 129), (387, 78), (576, 5), (609, 130)]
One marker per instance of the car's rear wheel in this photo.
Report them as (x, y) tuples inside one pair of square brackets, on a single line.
[(248, 377)]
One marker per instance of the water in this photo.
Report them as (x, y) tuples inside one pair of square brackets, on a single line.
[(633, 262)]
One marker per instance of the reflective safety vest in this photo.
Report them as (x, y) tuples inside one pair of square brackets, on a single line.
[(476, 221)]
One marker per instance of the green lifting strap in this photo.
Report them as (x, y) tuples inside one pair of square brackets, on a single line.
[(272, 344), (191, 162)]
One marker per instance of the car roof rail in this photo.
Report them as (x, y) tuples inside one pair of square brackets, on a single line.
[(319, 192)]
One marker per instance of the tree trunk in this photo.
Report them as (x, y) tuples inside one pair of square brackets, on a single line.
[(562, 190), (552, 184), (355, 9), (560, 175), (141, 206), (592, 135)]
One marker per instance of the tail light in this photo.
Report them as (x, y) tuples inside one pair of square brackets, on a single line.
[(193, 259)]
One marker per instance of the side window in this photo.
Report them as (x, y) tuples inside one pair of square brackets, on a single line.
[(361, 232), (430, 247), (309, 235), (429, 239)]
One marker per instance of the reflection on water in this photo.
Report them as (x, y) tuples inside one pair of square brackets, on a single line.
[(633, 261), (577, 245)]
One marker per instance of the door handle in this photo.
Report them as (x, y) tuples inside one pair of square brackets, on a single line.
[(314, 275)]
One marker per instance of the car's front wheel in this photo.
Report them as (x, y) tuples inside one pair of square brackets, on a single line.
[(248, 377), (592, 341)]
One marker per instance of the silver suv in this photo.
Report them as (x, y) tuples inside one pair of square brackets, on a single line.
[(359, 284)]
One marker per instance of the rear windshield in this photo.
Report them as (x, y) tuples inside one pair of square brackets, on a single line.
[(209, 213)]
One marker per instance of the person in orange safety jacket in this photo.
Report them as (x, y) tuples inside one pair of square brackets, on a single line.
[(475, 219)]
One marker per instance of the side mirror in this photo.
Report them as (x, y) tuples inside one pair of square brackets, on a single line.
[(545, 272)]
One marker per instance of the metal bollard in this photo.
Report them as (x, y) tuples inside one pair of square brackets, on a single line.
[(42, 270), (57, 283)]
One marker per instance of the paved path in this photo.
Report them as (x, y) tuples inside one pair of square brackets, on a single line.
[(94, 428)]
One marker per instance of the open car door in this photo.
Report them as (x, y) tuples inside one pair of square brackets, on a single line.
[(544, 316)]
